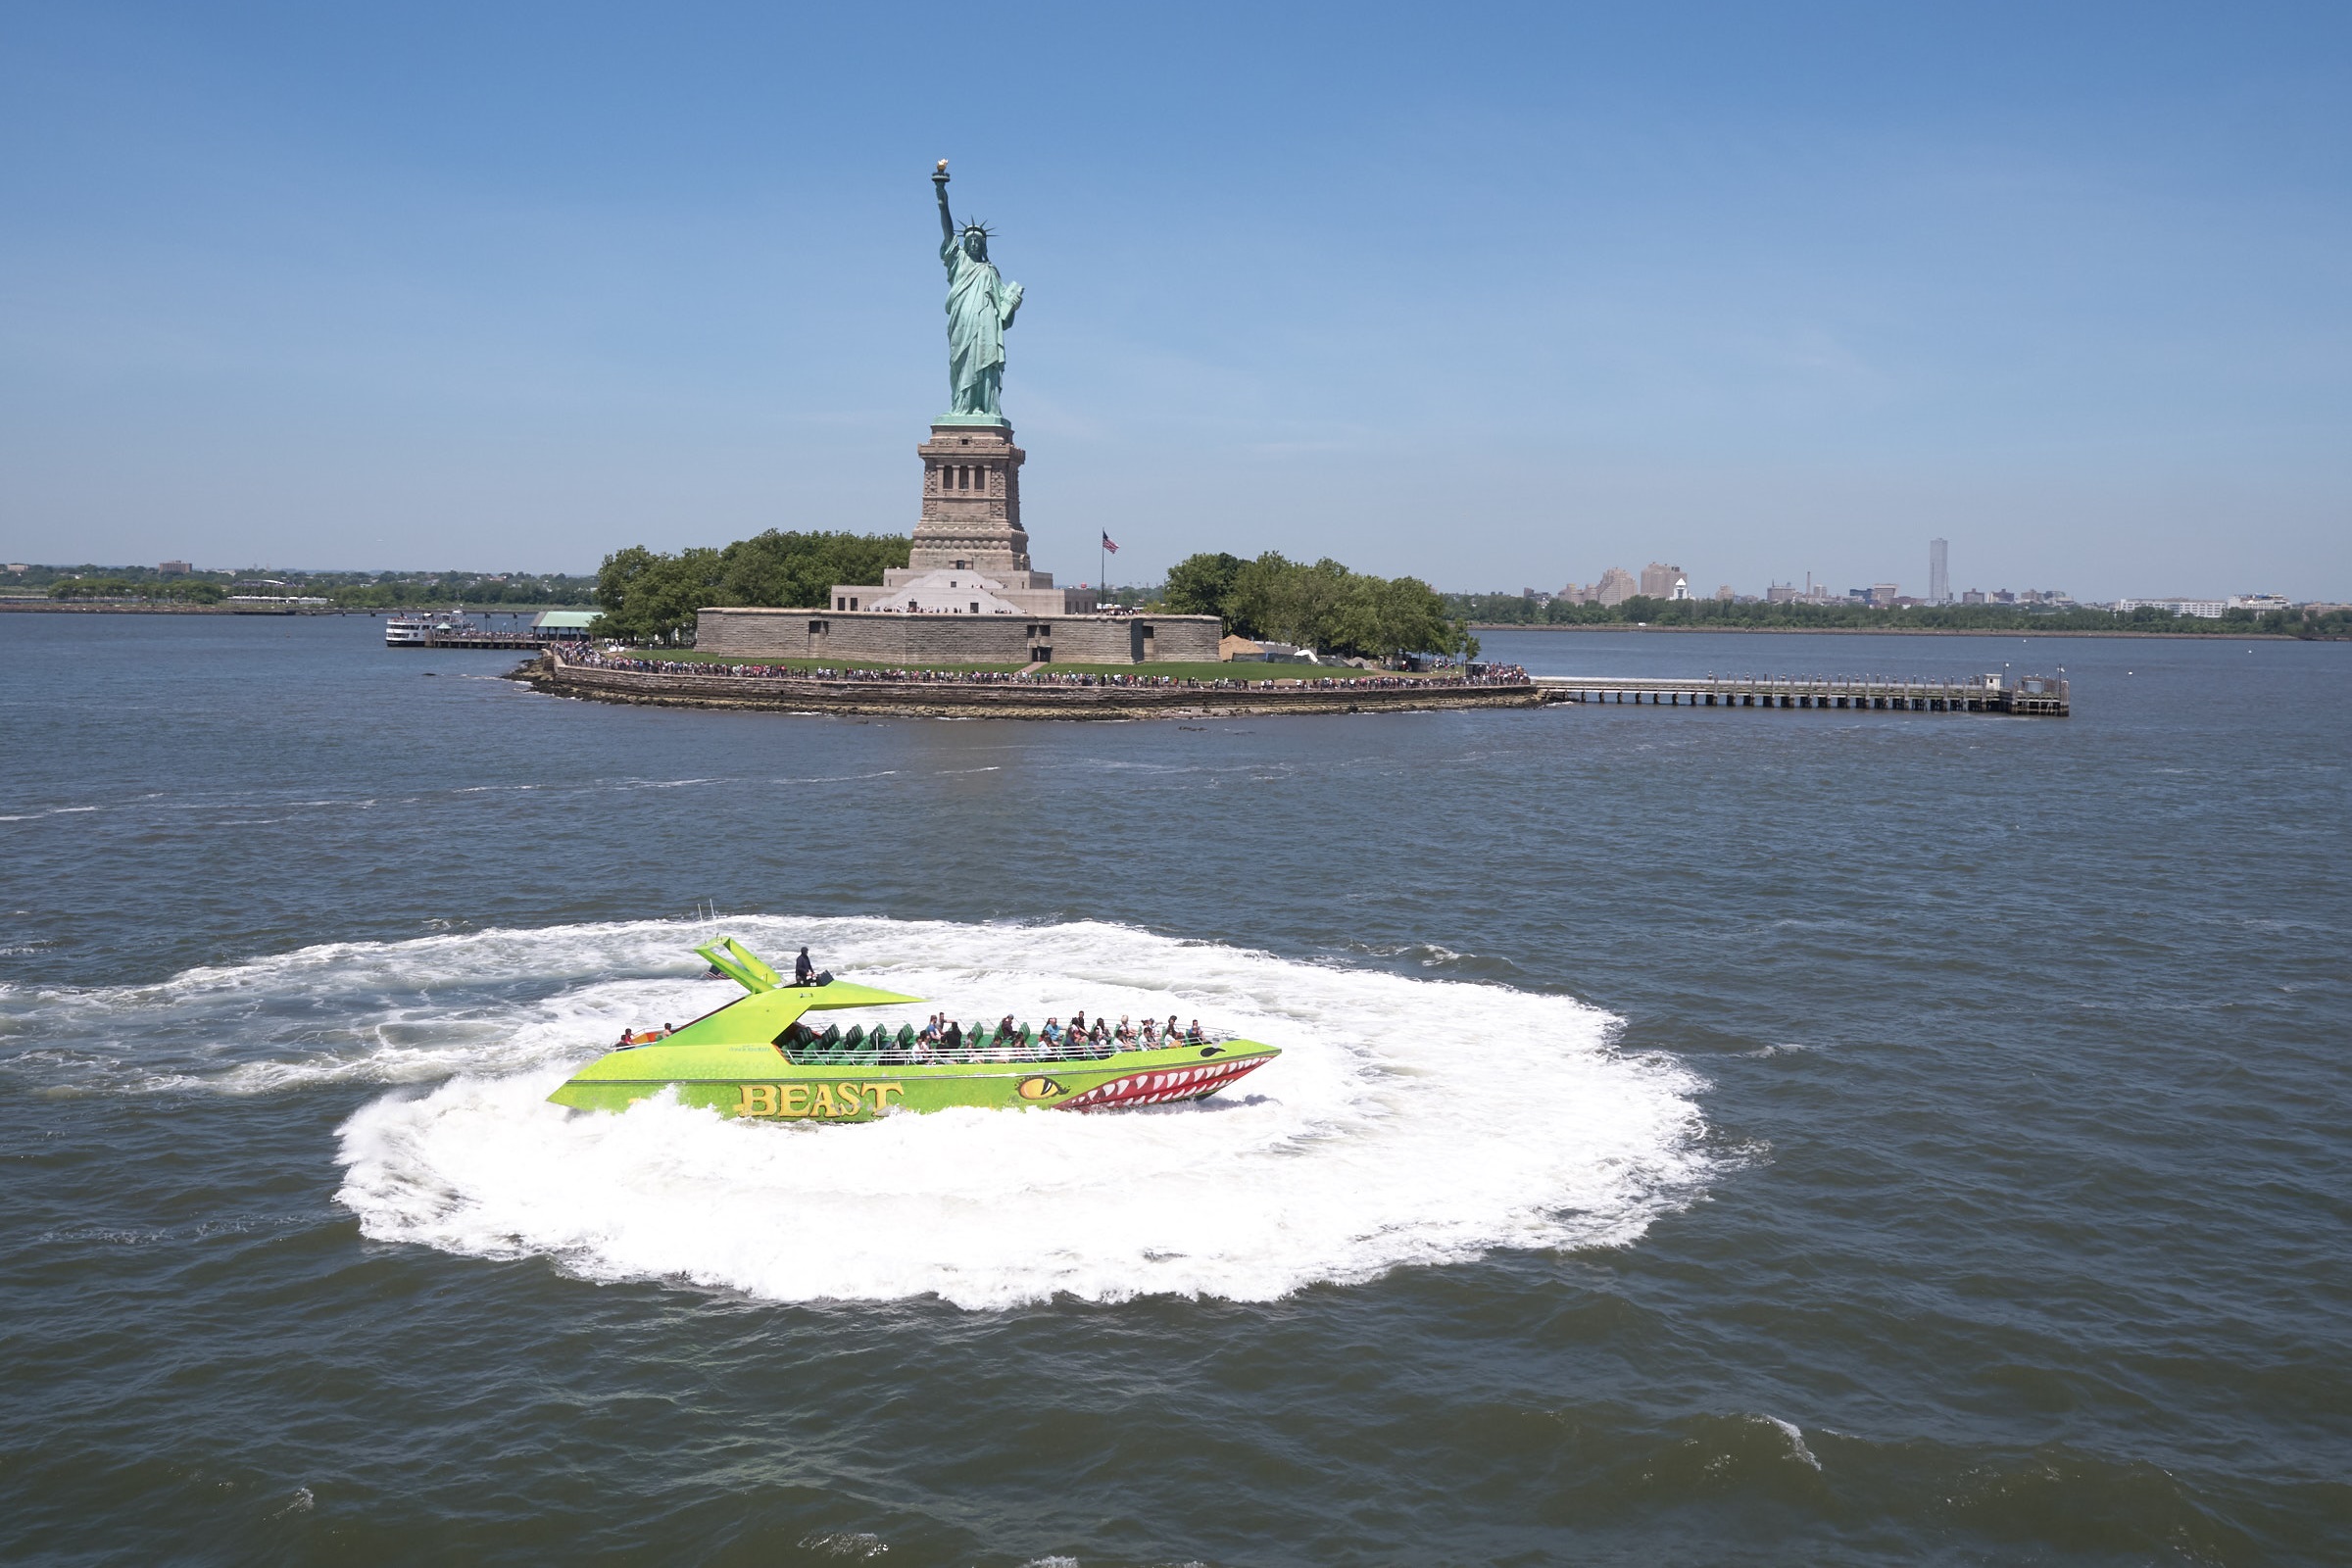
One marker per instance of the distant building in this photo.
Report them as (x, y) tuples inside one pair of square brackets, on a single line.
[(1615, 587), (1780, 592), (1940, 576), (175, 569), (1883, 595), (1658, 580), (1725, 593), (2201, 609), (1975, 596), (2260, 604)]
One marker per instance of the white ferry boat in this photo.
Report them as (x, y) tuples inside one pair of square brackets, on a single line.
[(418, 631)]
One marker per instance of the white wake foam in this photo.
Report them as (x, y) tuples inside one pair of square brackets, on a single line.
[(1408, 1122)]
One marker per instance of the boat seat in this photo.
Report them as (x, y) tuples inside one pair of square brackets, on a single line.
[(906, 1037)]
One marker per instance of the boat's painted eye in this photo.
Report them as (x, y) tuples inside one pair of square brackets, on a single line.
[(1039, 1089), (1210, 1051)]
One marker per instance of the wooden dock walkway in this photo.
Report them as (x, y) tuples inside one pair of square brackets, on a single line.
[(2040, 696)]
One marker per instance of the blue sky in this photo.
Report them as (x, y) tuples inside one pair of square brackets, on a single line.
[(1497, 296)]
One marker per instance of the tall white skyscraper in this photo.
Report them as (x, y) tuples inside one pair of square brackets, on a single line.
[(1939, 574)]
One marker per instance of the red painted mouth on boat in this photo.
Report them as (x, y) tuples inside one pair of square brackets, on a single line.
[(1160, 1087)]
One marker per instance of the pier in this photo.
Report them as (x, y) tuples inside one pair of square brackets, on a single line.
[(528, 641), (2038, 696)]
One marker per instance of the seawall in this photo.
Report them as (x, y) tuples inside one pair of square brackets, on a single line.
[(916, 698)]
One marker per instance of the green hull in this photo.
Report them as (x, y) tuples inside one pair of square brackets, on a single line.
[(740, 1061), (759, 1082)]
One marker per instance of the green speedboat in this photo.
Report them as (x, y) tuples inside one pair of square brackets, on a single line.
[(756, 1057)]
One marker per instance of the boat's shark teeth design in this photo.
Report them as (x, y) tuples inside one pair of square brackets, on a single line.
[(754, 1058), (1162, 1088)]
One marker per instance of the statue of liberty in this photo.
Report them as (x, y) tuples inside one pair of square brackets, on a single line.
[(980, 306)]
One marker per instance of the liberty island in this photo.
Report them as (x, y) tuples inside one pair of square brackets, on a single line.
[(969, 592)]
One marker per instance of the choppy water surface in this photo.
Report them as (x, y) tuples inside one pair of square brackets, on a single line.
[(1701, 1136)]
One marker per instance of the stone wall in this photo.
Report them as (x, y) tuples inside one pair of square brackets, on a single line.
[(882, 638), (917, 698)]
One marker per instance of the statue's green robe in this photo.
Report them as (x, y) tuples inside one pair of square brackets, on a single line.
[(980, 306)]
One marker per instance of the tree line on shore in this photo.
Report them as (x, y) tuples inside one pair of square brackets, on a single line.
[(169, 590), (346, 590), (1516, 610)]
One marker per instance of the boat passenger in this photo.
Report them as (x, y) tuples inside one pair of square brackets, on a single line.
[(1125, 1034), (1053, 1032), (953, 1036), (1193, 1036), (1172, 1034), (1005, 1032), (1150, 1036), (803, 970)]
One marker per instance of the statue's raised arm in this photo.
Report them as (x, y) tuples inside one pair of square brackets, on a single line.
[(947, 225)]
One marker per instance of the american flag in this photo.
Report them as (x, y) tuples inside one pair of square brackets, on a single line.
[(1110, 543)]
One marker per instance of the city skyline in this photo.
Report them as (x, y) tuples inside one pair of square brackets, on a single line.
[(369, 289)]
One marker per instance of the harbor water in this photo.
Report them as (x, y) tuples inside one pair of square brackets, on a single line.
[(1701, 1136)]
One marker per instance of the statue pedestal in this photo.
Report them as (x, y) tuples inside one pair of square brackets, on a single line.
[(971, 520), (970, 553)]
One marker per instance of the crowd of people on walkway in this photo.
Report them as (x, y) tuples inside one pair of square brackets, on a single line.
[(1478, 675)]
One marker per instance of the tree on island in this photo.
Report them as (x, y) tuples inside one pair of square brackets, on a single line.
[(1324, 606), (647, 597)]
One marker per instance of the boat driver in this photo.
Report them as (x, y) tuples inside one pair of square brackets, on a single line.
[(804, 972)]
